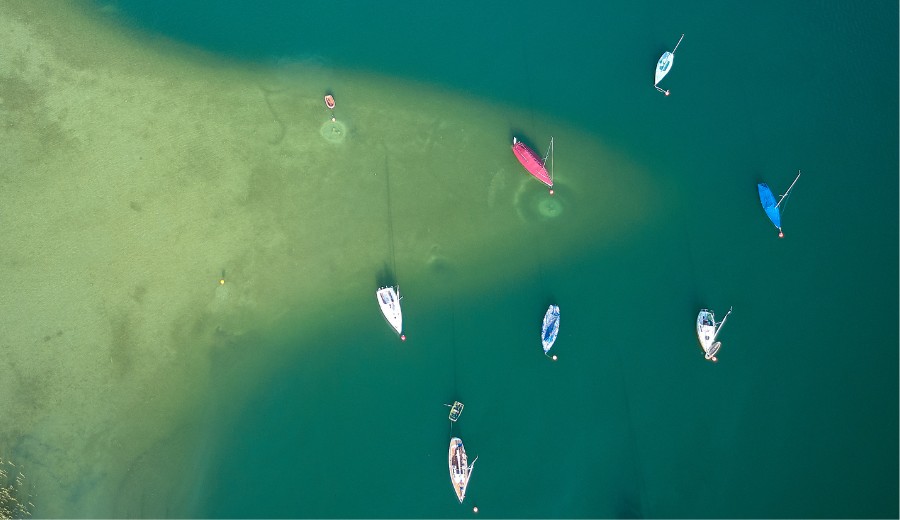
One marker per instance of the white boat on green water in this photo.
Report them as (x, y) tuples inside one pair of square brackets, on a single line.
[(664, 66), (460, 469), (708, 330), (389, 301), (456, 410)]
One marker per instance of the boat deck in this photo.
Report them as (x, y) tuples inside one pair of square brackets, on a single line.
[(532, 162)]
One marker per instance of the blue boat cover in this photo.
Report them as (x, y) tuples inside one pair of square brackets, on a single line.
[(550, 327), (767, 199)]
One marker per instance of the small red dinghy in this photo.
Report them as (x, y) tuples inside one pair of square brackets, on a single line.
[(329, 101), (533, 162)]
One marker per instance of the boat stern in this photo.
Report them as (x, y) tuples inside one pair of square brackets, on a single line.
[(706, 328), (712, 351)]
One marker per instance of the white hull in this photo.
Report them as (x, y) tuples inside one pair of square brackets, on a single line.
[(664, 66), (550, 328), (389, 301), (460, 470), (707, 331), (456, 410)]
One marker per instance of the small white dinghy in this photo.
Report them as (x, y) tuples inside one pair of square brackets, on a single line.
[(389, 301), (456, 410), (664, 65), (707, 330)]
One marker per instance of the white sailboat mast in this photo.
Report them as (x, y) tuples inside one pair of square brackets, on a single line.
[(550, 153), (550, 156), (677, 44), (721, 323), (788, 190)]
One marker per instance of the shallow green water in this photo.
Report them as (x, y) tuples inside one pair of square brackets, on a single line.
[(798, 419)]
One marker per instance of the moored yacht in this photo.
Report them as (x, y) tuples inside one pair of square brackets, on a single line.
[(460, 469), (389, 301), (707, 330)]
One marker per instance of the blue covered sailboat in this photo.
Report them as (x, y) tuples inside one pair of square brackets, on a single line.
[(773, 209), (550, 329)]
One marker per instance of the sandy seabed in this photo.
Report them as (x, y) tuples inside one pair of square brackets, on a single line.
[(138, 174)]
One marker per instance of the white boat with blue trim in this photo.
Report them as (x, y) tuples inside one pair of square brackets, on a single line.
[(389, 301), (550, 329), (708, 330), (664, 66)]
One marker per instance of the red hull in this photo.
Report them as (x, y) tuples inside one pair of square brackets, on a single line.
[(532, 162)]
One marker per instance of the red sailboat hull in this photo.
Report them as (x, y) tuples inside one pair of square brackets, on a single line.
[(532, 162)]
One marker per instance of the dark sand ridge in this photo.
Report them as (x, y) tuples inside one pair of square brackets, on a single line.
[(133, 177)]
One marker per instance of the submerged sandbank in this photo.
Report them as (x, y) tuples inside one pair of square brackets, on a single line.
[(140, 174)]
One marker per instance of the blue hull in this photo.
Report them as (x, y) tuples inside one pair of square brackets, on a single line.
[(767, 199)]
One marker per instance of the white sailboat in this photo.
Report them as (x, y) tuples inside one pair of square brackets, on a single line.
[(664, 65), (460, 469), (550, 329), (389, 301), (707, 330)]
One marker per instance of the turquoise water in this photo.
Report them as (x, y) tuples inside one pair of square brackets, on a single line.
[(799, 417)]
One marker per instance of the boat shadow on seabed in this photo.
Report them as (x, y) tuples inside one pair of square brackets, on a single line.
[(385, 277)]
